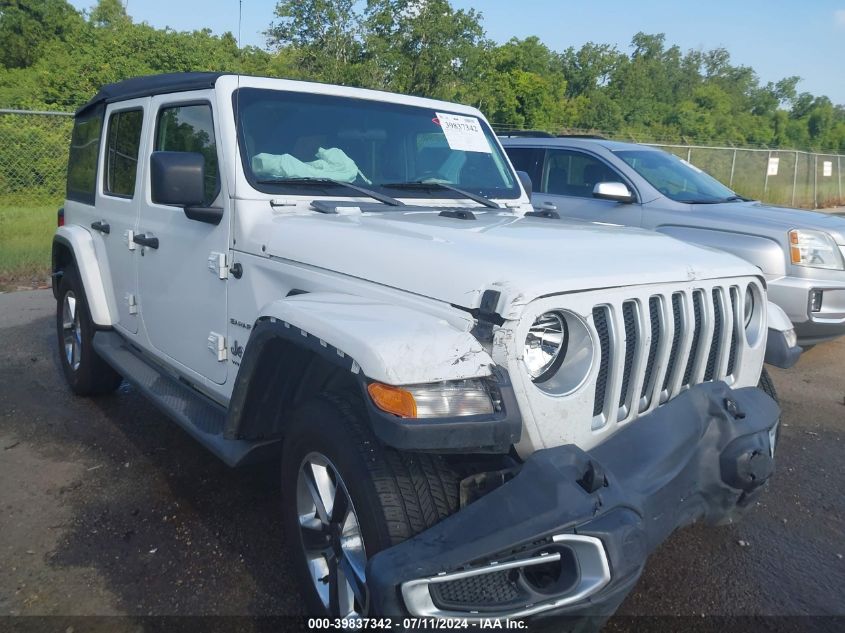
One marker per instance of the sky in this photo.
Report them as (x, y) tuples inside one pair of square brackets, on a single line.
[(778, 38)]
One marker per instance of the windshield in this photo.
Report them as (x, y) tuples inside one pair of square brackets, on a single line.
[(675, 178), (288, 137)]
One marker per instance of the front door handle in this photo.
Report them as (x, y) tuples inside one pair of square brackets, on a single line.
[(146, 240), (551, 206), (101, 226)]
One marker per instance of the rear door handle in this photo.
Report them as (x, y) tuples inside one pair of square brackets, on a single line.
[(101, 226), (146, 240)]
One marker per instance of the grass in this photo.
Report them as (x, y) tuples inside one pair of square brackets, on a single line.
[(26, 233)]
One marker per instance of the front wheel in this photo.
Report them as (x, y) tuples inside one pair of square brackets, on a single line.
[(346, 497), (768, 386)]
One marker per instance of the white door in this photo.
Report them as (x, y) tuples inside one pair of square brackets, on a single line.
[(115, 215), (183, 301)]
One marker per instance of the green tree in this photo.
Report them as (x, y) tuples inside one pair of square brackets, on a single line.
[(322, 37), (421, 47), (109, 13), (26, 26), (518, 84)]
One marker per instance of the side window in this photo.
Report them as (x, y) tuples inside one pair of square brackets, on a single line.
[(122, 143), (575, 174), (529, 160), (84, 152), (190, 128)]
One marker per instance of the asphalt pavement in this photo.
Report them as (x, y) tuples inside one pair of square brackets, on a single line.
[(107, 508)]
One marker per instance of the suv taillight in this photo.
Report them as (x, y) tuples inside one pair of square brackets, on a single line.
[(60, 217)]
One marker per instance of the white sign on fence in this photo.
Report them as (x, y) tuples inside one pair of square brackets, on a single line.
[(828, 169), (773, 166)]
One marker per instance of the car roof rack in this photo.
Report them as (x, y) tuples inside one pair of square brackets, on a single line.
[(594, 136), (525, 134)]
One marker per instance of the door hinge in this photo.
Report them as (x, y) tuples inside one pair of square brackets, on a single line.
[(218, 265), (217, 345), (129, 235), (132, 303)]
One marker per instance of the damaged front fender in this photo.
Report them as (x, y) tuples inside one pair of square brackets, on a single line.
[(391, 344)]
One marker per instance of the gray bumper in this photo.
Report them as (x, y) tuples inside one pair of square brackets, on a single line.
[(571, 532), (793, 295)]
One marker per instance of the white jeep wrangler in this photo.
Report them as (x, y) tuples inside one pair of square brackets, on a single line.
[(472, 421)]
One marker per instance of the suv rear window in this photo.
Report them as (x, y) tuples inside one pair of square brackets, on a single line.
[(84, 153), (124, 138)]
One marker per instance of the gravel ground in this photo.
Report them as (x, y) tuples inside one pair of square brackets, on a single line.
[(107, 508)]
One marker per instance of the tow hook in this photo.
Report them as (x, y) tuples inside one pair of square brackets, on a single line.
[(593, 478), (733, 409)]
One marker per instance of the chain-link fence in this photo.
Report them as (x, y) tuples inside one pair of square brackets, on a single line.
[(782, 177), (34, 150), (33, 157)]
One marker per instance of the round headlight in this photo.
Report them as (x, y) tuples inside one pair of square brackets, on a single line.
[(748, 310), (545, 346)]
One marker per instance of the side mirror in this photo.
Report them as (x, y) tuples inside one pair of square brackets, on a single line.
[(616, 191), (525, 179), (177, 178)]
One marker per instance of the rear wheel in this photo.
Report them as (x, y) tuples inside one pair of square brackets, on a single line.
[(86, 373), (346, 497)]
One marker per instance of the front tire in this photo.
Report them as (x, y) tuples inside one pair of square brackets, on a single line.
[(346, 497), (768, 386), (85, 372)]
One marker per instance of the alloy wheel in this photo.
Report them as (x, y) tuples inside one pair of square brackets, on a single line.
[(71, 331), (331, 538)]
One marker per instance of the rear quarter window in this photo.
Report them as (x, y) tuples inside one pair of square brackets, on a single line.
[(529, 160), (123, 142), (84, 154)]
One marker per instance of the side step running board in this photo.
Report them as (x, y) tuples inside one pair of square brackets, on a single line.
[(196, 414)]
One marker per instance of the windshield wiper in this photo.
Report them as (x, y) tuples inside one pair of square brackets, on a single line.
[(433, 184), (393, 202), (736, 198)]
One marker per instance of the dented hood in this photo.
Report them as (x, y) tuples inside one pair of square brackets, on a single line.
[(455, 260)]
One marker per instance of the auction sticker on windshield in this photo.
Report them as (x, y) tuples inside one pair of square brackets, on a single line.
[(463, 133)]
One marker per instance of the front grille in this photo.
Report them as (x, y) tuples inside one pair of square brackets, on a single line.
[(734, 337), (485, 590), (631, 345), (694, 334), (676, 339), (696, 337), (712, 357), (600, 321), (654, 309)]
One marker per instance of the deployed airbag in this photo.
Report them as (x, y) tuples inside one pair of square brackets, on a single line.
[(331, 163)]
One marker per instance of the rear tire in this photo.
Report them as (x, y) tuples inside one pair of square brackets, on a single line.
[(393, 496), (768, 386), (86, 373)]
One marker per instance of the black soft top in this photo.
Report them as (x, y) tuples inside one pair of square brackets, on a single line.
[(151, 85)]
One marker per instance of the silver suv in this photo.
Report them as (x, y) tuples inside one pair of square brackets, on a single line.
[(801, 253)]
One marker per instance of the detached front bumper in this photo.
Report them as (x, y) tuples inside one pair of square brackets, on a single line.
[(569, 535)]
